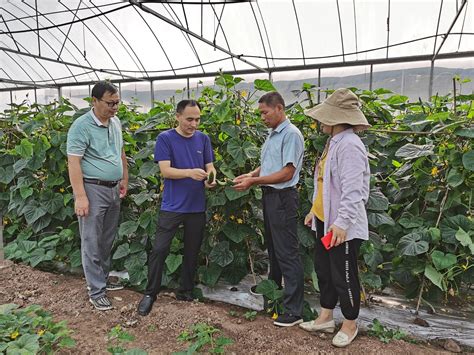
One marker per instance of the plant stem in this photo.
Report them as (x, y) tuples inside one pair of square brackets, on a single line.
[(419, 295), (443, 202)]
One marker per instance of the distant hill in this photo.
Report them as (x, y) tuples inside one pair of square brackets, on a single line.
[(410, 82)]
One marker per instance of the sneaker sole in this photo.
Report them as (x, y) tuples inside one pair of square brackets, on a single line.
[(288, 324), (104, 308), (114, 288)]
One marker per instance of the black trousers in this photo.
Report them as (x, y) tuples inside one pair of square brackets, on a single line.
[(168, 223), (338, 275), (280, 217)]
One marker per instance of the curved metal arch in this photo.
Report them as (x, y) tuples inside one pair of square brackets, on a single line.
[(23, 69), (72, 42), (39, 63), (9, 77), (56, 12), (462, 27), (299, 30), (219, 24), (98, 40), (66, 23), (186, 36), (125, 40), (266, 32), (47, 43), (154, 35), (260, 34)]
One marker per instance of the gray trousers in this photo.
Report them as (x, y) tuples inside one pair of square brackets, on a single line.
[(98, 231)]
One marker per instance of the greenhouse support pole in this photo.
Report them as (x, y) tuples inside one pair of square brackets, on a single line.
[(11, 96), (371, 76), (36, 96), (152, 94), (319, 85), (430, 86), (187, 86), (60, 93)]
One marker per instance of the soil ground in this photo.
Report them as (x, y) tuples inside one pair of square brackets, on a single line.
[(65, 297)]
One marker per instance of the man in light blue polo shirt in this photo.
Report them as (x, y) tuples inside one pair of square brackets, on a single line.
[(281, 162), (99, 177)]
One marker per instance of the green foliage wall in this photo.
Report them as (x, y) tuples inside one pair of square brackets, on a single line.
[(420, 207)]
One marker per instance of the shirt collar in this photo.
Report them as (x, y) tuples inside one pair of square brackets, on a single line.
[(281, 126), (96, 120), (339, 136)]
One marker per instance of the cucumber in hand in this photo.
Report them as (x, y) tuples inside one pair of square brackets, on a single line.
[(210, 178)]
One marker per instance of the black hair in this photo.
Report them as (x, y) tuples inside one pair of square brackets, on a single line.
[(101, 87), (272, 99), (185, 103)]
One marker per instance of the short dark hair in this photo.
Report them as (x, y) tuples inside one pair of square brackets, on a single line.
[(101, 87), (272, 99), (185, 103)]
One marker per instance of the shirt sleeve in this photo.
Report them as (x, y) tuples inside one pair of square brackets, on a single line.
[(352, 163), (77, 140), (293, 147), (162, 149), (208, 152)]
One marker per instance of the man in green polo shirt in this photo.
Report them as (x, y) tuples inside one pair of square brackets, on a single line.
[(99, 177)]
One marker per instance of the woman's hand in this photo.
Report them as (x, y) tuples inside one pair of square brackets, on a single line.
[(308, 220), (338, 235)]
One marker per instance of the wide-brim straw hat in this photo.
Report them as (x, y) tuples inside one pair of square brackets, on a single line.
[(342, 106)]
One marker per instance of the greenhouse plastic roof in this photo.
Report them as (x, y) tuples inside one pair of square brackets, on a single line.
[(53, 43)]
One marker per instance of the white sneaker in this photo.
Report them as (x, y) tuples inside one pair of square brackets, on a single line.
[(342, 340), (311, 326)]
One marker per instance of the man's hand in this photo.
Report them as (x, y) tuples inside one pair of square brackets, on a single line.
[(81, 206), (308, 220), (243, 183), (338, 235), (197, 174), (241, 177), (212, 183), (123, 186)]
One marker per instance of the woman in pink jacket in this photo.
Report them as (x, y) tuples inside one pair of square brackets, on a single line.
[(341, 182)]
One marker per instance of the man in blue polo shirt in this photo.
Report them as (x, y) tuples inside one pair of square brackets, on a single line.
[(185, 158), (99, 176), (281, 162)]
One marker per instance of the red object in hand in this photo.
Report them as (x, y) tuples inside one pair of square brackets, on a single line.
[(326, 240)]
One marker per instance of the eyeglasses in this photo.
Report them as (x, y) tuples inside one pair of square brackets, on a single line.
[(111, 103)]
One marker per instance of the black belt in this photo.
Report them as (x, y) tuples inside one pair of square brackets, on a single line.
[(271, 190), (101, 182)]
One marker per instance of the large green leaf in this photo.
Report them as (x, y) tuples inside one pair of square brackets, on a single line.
[(33, 211), (75, 258), (232, 194), (377, 201), (413, 151), (173, 262), (127, 228), (54, 203), (6, 174), (216, 199), (379, 219), (24, 345), (465, 132), (465, 239), (263, 85), (236, 232), (221, 254), (209, 275), (449, 227), (455, 178), (371, 280), (122, 251), (411, 244), (468, 160), (305, 236), (269, 289), (443, 261), (148, 169), (435, 277), (25, 148)]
